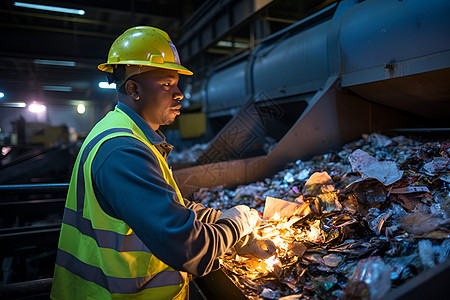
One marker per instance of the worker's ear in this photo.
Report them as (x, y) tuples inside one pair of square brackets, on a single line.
[(132, 89)]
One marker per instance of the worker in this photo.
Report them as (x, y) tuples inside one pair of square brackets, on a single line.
[(127, 232)]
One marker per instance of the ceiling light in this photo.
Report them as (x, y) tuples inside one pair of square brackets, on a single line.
[(13, 104), (36, 108), (2, 95), (50, 8), (105, 85), (63, 63), (81, 108), (225, 44), (229, 44), (57, 88)]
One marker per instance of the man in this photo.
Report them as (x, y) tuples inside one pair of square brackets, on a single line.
[(127, 233)]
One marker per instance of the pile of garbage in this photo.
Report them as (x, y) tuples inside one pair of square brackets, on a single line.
[(186, 156), (350, 224)]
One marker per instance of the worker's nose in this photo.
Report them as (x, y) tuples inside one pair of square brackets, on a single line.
[(177, 94)]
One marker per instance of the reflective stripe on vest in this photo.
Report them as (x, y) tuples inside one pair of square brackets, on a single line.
[(104, 238), (103, 254), (114, 284)]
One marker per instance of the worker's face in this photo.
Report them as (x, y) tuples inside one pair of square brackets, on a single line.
[(159, 97)]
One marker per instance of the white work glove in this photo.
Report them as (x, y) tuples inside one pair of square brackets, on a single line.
[(245, 217), (255, 246)]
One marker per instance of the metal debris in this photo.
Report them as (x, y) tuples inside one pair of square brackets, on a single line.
[(379, 204)]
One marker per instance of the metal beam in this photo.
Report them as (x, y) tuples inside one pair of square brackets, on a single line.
[(280, 20), (225, 16)]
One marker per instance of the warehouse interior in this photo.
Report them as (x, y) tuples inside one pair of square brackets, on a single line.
[(276, 83)]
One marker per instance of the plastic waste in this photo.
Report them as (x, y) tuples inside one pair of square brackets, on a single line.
[(444, 251), (269, 294), (381, 140), (370, 280), (332, 260), (289, 178), (426, 253), (304, 174)]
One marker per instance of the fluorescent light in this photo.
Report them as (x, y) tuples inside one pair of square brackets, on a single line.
[(2, 95), (105, 85), (57, 88), (224, 44), (36, 108), (231, 44), (50, 8), (81, 108), (63, 63), (13, 104)]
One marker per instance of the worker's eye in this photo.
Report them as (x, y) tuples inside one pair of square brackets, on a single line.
[(167, 84)]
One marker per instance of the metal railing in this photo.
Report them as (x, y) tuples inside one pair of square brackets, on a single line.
[(35, 188)]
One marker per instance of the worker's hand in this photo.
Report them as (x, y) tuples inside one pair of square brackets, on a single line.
[(255, 246), (245, 217)]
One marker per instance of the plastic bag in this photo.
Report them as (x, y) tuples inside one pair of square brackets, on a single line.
[(370, 280)]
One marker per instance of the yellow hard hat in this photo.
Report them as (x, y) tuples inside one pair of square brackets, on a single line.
[(144, 46)]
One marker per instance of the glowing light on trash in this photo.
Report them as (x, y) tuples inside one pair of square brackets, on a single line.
[(276, 217), (314, 233), (278, 241), (271, 261)]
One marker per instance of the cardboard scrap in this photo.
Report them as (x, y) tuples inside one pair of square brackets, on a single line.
[(280, 207)]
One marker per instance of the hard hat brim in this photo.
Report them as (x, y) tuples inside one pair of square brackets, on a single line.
[(108, 67)]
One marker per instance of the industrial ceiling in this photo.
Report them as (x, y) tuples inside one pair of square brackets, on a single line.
[(31, 38)]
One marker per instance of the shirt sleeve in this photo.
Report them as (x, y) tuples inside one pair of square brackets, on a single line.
[(204, 214), (130, 186)]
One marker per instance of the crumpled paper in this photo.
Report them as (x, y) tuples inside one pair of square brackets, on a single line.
[(437, 165), (369, 167), (318, 183)]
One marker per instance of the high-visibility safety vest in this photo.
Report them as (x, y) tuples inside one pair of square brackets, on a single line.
[(100, 257)]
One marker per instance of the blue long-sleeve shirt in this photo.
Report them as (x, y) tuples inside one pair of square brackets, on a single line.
[(129, 185)]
